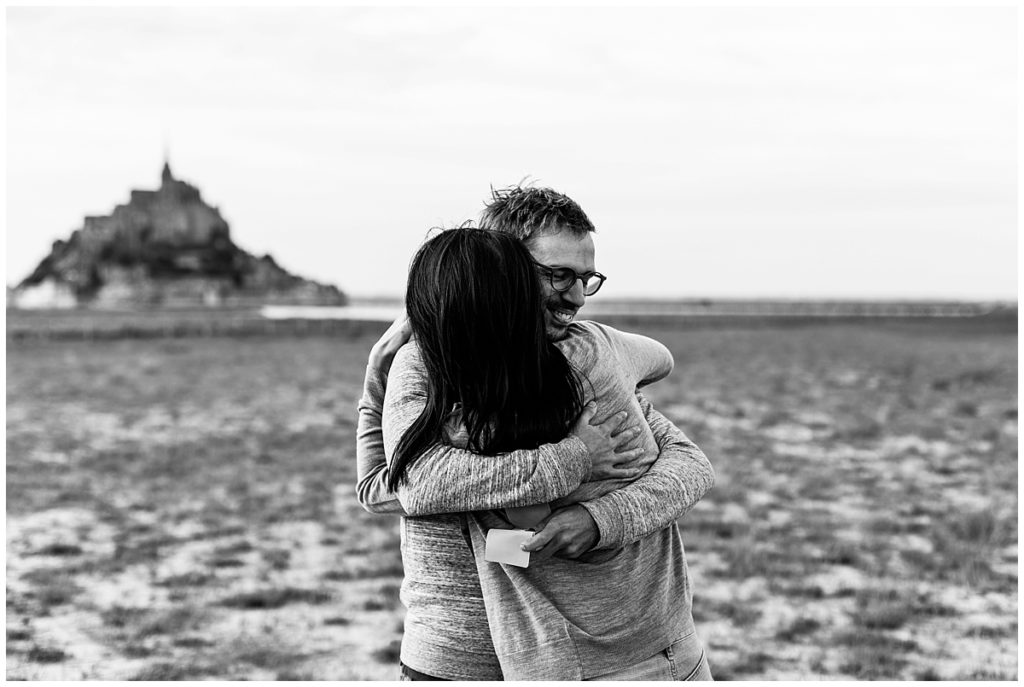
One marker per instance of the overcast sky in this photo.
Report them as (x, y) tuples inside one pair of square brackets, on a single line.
[(721, 152)]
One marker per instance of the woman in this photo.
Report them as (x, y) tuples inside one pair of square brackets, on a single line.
[(483, 376)]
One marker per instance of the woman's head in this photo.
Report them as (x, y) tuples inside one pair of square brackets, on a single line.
[(473, 300), (475, 306)]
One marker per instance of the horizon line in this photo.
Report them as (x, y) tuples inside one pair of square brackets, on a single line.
[(392, 298)]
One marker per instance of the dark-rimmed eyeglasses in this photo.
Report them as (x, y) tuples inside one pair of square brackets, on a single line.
[(564, 278)]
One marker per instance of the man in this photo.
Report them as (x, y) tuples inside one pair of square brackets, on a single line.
[(447, 633)]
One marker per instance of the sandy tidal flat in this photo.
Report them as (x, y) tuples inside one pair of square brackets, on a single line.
[(170, 511)]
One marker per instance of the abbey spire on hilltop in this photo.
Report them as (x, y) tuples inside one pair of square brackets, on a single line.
[(163, 247)]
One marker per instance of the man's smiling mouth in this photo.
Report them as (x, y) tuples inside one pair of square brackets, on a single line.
[(563, 316)]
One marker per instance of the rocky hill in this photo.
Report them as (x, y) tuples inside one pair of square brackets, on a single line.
[(163, 248)]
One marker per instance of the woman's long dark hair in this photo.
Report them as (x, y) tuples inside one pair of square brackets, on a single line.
[(476, 309)]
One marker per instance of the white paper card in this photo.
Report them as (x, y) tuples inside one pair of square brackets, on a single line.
[(503, 547)]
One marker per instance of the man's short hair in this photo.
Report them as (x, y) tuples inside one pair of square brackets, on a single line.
[(525, 211)]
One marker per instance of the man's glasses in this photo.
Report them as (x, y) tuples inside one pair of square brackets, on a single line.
[(564, 278)]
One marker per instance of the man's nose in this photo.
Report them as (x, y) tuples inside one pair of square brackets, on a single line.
[(575, 295)]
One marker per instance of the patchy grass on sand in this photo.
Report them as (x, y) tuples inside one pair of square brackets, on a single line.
[(170, 511)]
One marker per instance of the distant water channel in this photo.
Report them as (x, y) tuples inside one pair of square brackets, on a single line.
[(383, 313), (711, 309)]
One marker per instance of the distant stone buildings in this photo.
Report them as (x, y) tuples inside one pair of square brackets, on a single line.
[(163, 248)]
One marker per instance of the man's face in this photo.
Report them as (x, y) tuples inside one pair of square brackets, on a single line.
[(562, 249)]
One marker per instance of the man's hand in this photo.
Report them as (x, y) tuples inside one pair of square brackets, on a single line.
[(566, 533), (383, 352)]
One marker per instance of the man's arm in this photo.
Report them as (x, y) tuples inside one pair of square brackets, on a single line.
[(371, 467), (675, 482), (680, 477), (371, 464)]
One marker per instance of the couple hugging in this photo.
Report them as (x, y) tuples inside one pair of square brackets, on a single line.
[(538, 489)]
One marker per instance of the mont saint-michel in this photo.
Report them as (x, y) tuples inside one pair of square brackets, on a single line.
[(164, 248)]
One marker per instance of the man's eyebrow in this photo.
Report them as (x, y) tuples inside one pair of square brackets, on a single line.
[(571, 269)]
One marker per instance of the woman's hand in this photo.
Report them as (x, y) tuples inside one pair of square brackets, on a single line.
[(608, 443), (383, 352)]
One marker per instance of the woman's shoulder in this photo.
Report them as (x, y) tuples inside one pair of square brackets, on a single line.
[(585, 343), (594, 332), (408, 362), (589, 329), (601, 340), (409, 351)]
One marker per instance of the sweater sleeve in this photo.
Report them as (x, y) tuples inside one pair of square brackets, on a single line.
[(634, 360), (446, 479), (371, 463), (675, 482), (643, 358)]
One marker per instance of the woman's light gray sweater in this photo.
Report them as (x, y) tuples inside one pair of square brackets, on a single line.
[(558, 619)]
